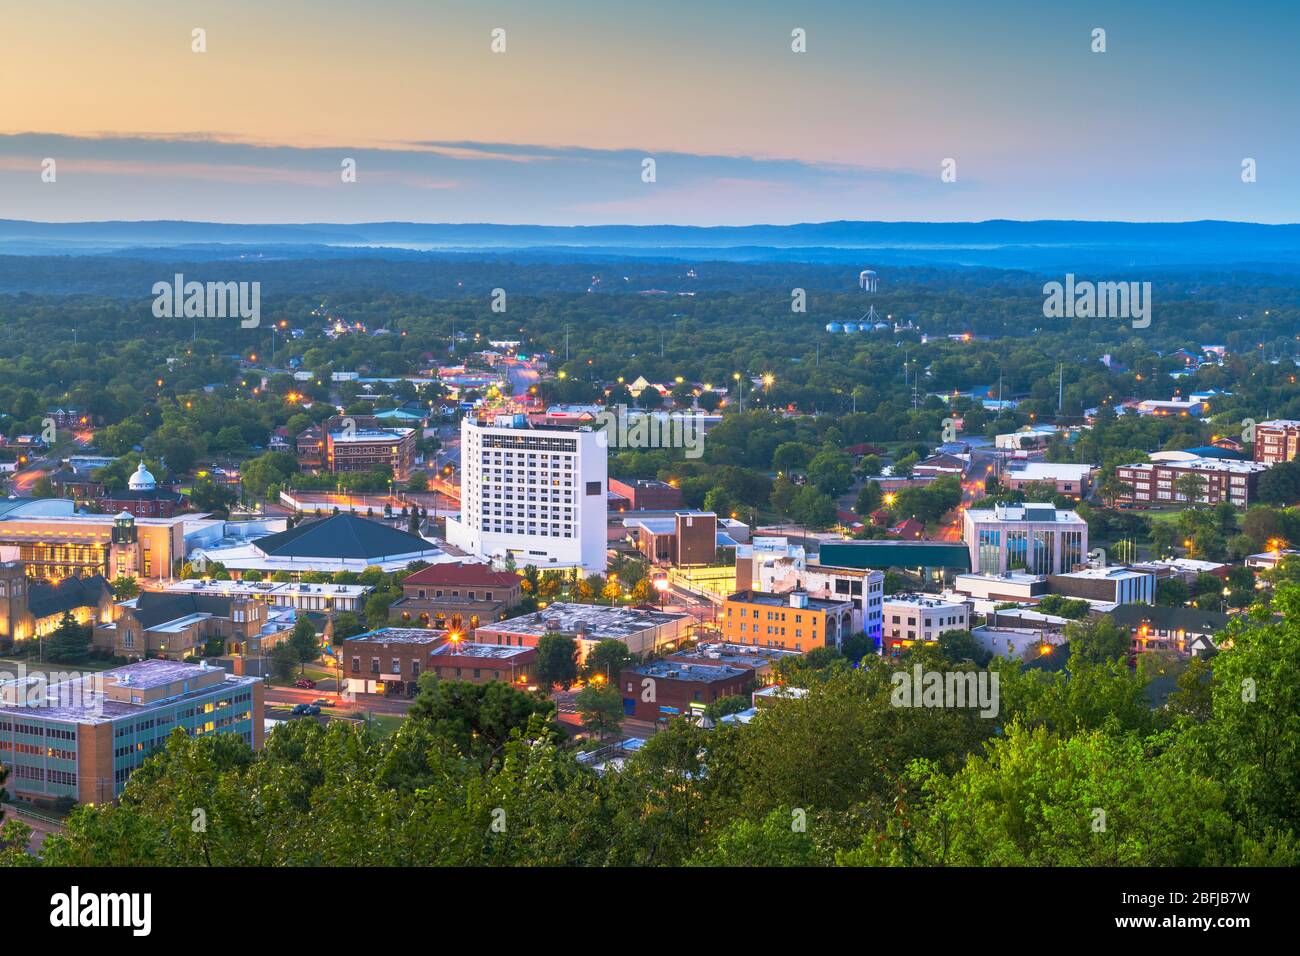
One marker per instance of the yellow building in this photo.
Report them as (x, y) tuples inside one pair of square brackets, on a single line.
[(792, 621), (55, 542)]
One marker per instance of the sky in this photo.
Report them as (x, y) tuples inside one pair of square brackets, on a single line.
[(556, 129)]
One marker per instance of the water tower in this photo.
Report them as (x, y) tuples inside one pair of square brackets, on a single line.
[(867, 280)]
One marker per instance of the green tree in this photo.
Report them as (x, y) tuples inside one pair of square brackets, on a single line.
[(557, 660), (125, 588), (478, 719), (69, 643), (607, 659), (600, 706), (869, 500), (283, 661), (305, 643)]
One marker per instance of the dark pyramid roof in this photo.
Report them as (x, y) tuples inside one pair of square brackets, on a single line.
[(158, 607), (342, 536), (45, 599)]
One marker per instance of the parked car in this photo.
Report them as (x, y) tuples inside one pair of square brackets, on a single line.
[(323, 702), (313, 710), (305, 684), (299, 710)]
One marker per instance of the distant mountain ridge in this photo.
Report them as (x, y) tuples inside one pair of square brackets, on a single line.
[(1038, 244)]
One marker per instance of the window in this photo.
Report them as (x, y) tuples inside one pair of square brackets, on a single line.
[(374, 665), (356, 665)]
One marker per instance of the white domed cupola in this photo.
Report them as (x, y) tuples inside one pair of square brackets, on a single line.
[(142, 480)]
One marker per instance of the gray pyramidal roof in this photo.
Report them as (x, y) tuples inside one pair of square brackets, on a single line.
[(342, 536)]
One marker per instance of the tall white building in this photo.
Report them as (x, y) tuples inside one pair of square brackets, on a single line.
[(537, 492)]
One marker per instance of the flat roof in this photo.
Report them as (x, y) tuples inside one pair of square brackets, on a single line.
[(1204, 464), (400, 635), (79, 700), (594, 621), (266, 588), (921, 600), (895, 554), (474, 649), (1103, 574), (769, 599), (676, 670)]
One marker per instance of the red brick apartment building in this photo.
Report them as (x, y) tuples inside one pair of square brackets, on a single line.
[(345, 443), (1277, 440), (1154, 483)]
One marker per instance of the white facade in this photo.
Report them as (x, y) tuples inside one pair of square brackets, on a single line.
[(1014, 642), (1034, 538), (864, 589), (913, 617), (537, 492)]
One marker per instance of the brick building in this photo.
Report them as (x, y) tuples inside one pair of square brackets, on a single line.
[(1277, 440), (1156, 483), (433, 596), (351, 443), (687, 538), (175, 625), (665, 689), (647, 494), (390, 660)]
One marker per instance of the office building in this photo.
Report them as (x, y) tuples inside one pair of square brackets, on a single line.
[(1034, 538), (1065, 478), (1107, 585), (82, 737), (534, 492), (351, 443)]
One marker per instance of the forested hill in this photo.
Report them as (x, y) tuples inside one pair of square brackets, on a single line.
[(1038, 245)]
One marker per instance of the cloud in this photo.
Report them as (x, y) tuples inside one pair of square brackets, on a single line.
[(217, 178)]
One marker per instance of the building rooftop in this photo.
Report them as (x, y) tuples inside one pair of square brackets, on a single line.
[(464, 574), (1033, 513), (472, 649), (921, 601), (783, 600), (1205, 464), (96, 698), (370, 435), (343, 535), (399, 635), (1103, 574), (882, 554), (592, 621), (268, 589), (676, 670), (746, 656)]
